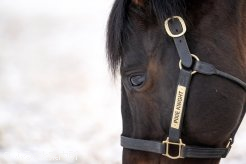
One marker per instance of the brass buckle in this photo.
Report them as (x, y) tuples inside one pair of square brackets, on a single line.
[(182, 22), (180, 146)]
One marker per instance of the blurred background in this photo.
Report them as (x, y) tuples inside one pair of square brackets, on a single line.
[(58, 101)]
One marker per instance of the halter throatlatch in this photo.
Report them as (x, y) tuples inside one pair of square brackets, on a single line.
[(189, 65)]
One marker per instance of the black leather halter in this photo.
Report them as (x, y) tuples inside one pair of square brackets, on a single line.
[(189, 65)]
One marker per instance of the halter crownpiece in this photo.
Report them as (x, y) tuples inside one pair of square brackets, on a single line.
[(189, 65)]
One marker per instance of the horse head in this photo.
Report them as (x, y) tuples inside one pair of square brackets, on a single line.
[(148, 58)]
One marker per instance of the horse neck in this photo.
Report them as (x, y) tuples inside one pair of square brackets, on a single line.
[(220, 26)]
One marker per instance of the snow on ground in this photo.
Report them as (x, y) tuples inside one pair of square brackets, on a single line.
[(58, 103)]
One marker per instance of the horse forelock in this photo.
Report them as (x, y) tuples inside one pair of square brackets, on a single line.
[(120, 24)]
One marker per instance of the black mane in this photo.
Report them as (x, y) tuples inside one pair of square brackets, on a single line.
[(118, 23)]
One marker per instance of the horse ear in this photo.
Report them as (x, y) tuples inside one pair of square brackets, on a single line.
[(138, 2)]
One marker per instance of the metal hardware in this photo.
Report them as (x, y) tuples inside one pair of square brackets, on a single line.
[(178, 106), (195, 57), (180, 146), (182, 22), (229, 143)]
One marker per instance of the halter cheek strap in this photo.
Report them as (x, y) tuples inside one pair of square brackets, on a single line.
[(176, 29)]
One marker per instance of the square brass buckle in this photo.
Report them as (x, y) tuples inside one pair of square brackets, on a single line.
[(168, 29), (180, 146)]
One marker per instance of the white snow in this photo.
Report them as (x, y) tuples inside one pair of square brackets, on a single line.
[(58, 102)]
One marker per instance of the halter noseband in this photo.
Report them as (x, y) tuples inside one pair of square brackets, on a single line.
[(189, 65)]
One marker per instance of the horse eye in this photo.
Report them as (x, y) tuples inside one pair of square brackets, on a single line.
[(137, 80)]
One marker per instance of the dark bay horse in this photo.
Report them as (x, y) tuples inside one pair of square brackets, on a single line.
[(138, 44)]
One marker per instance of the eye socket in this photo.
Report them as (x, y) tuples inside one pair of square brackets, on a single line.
[(137, 80)]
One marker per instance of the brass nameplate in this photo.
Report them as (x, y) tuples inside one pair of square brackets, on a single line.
[(178, 107)]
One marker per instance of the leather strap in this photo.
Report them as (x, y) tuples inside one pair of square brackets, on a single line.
[(142, 145), (209, 69), (201, 152), (179, 105), (181, 43), (160, 148)]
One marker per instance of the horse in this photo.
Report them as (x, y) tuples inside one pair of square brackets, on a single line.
[(147, 56)]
